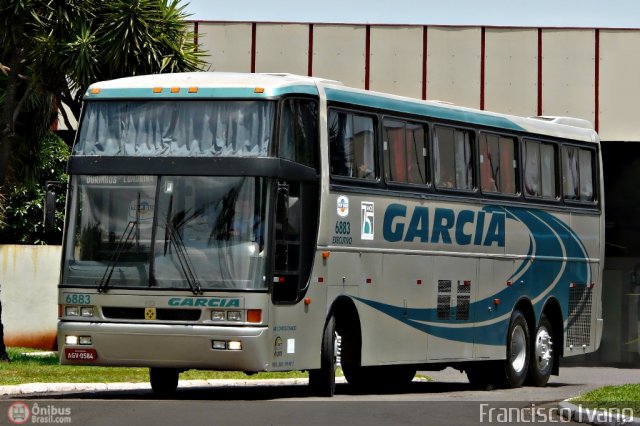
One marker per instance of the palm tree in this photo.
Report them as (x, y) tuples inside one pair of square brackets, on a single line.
[(52, 50)]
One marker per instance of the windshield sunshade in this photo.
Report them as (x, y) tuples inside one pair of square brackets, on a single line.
[(176, 128)]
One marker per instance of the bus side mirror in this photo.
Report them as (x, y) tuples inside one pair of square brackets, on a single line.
[(49, 209)]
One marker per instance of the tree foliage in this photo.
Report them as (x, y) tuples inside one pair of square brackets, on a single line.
[(23, 212), (52, 50)]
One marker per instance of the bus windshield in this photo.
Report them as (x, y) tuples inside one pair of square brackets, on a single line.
[(167, 232), (176, 128)]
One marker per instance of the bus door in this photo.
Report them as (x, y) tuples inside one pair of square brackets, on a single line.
[(296, 308)]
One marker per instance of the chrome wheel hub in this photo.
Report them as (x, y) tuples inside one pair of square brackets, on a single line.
[(543, 349)]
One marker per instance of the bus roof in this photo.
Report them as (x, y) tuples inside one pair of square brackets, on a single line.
[(204, 85), (562, 127)]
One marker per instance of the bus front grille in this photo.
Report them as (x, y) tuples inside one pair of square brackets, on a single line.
[(162, 314)]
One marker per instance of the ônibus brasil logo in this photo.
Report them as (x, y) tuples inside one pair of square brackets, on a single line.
[(19, 413)]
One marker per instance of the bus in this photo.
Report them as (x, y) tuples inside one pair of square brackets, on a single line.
[(273, 222)]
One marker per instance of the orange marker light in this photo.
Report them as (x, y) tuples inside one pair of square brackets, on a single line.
[(254, 315), (175, 89), (157, 90), (258, 90), (326, 254), (193, 90), (496, 301), (307, 301), (94, 91)]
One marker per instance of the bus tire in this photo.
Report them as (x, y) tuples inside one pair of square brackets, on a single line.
[(357, 376), (164, 381), (542, 356), (518, 354), (323, 381)]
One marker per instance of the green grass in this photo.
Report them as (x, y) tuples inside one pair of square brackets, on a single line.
[(46, 369), (607, 397)]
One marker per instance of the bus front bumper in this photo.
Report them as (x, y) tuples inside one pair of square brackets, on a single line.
[(162, 345)]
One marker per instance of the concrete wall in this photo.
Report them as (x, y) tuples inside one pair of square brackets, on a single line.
[(29, 294)]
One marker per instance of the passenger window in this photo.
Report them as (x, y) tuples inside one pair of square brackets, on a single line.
[(352, 145), (405, 146), (577, 176), (453, 151), (299, 131), (539, 169), (498, 166)]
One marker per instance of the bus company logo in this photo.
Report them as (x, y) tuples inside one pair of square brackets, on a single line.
[(202, 302), (343, 206), (367, 220), (19, 413), (143, 213), (443, 226)]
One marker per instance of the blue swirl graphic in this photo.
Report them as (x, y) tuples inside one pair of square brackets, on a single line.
[(556, 258)]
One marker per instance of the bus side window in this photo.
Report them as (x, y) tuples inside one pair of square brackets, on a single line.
[(539, 167), (299, 131), (352, 145), (498, 166), (405, 151), (577, 176), (453, 152)]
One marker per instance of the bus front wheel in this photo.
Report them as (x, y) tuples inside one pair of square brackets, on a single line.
[(164, 381), (323, 381)]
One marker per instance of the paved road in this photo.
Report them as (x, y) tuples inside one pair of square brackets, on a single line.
[(446, 400)]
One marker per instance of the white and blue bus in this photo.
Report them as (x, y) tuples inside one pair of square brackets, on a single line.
[(264, 222)]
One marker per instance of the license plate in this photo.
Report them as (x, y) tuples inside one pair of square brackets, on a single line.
[(81, 354)]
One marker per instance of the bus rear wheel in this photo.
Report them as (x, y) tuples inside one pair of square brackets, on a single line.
[(518, 353), (322, 382), (542, 357), (164, 381)]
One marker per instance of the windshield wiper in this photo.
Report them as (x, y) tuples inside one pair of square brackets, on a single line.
[(183, 258), (122, 243)]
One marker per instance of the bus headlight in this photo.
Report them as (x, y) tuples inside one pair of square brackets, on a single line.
[(219, 345), (86, 311), (234, 316), (84, 340), (218, 316), (72, 311), (234, 345), (70, 340)]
